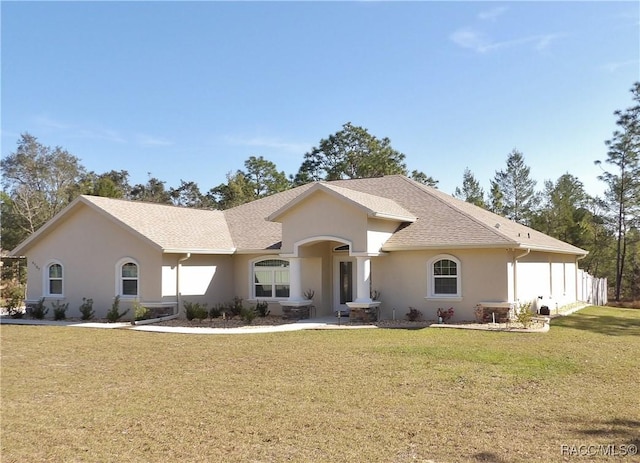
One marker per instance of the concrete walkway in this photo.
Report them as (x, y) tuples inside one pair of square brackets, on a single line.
[(330, 323)]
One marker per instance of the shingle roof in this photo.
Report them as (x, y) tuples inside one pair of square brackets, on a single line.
[(169, 228), (172, 228), (447, 222), (374, 206), (443, 222), (431, 220)]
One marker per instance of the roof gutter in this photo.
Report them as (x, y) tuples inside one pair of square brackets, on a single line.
[(178, 294)]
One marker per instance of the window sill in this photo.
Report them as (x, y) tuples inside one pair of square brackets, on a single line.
[(454, 298)]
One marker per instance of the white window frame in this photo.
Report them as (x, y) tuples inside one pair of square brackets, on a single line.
[(252, 283), (431, 279), (47, 280), (119, 279)]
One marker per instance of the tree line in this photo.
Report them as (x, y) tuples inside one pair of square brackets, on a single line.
[(39, 181)]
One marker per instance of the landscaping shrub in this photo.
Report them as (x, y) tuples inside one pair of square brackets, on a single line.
[(248, 314), (59, 310), (235, 308), (195, 310), (262, 308), (12, 296), (114, 314), (141, 312), (86, 309), (216, 311), (445, 314), (38, 311), (524, 315), (414, 314)]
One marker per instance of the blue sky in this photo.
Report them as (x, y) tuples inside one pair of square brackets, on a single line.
[(191, 90)]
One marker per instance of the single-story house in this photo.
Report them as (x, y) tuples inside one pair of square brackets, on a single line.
[(388, 243)]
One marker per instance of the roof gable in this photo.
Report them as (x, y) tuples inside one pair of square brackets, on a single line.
[(374, 206), (168, 228)]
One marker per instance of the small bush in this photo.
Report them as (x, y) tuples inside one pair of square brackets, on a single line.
[(262, 309), (86, 309), (216, 311), (308, 294), (248, 314), (195, 310), (12, 295), (414, 314), (524, 315), (114, 314), (236, 307), (38, 310), (59, 310), (141, 312), (445, 314)]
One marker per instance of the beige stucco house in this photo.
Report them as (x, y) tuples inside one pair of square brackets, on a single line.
[(347, 240)]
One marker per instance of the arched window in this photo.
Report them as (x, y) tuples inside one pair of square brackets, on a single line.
[(270, 278), (127, 277), (445, 277), (54, 279)]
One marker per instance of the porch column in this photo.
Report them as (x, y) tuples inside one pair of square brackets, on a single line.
[(295, 279), (363, 278)]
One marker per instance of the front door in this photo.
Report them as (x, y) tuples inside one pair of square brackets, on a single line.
[(343, 286)]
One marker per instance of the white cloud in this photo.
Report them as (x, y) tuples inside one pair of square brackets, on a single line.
[(46, 123), (269, 143), (481, 43), (492, 14), (149, 140), (49, 123), (614, 66)]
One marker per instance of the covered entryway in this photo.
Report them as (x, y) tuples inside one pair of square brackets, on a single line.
[(329, 235)]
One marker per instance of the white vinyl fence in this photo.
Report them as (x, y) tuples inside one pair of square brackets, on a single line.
[(591, 290)]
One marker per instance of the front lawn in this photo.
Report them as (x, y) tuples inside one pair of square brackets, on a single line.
[(384, 395)]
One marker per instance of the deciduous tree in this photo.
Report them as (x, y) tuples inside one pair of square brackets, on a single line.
[(153, 191), (39, 181)]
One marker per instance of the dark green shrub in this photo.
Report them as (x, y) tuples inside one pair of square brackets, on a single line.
[(262, 308), (248, 314), (235, 308), (59, 310), (216, 311), (414, 314), (114, 314), (86, 309), (38, 311), (195, 310)]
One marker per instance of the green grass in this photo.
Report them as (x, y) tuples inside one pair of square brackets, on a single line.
[(386, 395)]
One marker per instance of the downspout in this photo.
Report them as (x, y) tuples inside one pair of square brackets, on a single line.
[(515, 273), (178, 295), (576, 279)]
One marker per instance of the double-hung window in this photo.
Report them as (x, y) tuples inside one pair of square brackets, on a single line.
[(54, 279), (271, 278), (127, 272), (444, 277)]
